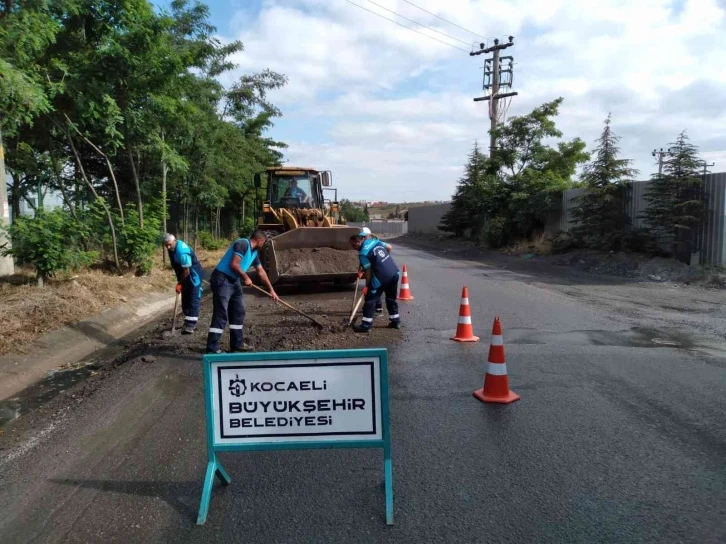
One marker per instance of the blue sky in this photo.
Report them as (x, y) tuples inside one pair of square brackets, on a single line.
[(390, 112)]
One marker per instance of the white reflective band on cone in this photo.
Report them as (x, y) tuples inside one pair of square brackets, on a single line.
[(497, 369), (404, 286), (191, 318), (215, 331), (464, 320), (236, 327), (367, 319), (497, 340), (465, 301)]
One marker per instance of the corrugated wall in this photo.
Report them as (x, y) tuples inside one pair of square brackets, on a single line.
[(426, 219), (712, 237), (384, 228)]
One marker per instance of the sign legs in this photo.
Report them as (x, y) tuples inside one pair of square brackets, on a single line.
[(214, 468), (388, 473)]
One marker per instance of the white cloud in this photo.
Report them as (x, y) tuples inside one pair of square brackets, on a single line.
[(391, 112)]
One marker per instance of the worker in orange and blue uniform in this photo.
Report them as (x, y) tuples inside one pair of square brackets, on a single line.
[(189, 276), (227, 294), (382, 276)]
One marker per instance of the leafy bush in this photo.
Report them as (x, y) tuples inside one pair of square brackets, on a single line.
[(137, 245), (563, 241), (209, 242), (51, 241), (247, 227)]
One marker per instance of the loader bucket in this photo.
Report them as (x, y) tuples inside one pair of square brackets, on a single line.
[(312, 254)]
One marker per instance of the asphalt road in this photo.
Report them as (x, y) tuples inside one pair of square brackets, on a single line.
[(618, 437)]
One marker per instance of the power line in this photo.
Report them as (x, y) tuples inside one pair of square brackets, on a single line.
[(408, 27), (446, 20), (419, 24)]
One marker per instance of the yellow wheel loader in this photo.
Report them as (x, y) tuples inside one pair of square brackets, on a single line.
[(305, 241)]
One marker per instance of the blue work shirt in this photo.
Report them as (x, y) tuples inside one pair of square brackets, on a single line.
[(184, 257), (374, 255), (242, 248)]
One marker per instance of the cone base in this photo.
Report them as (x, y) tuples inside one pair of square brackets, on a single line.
[(510, 397), (465, 339), (405, 298)]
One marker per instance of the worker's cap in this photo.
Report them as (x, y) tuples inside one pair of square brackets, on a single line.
[(365, 231)]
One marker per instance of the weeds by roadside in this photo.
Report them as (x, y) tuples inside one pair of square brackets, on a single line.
[(29, 311)]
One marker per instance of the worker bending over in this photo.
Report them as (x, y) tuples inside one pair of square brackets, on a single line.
[(381, 275), (189, 276), (227, 295)]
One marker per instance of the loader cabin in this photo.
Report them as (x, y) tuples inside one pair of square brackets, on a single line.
[(294, 188)]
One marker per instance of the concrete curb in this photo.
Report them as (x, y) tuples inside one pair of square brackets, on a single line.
[(74, 342)]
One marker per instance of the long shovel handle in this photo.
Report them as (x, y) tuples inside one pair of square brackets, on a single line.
[(355, 309), (355, 296), (176, 305), (318, 323)]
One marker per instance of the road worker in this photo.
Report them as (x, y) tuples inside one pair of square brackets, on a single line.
[(354, 244), (189, 276), (381, 274), (227, 294), (367, 234)]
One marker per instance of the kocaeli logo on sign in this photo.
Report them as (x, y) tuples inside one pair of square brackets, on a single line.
[(237, 387)]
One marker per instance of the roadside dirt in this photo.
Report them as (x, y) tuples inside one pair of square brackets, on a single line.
[(696, 309), (268, 327), (324, 260), (29, 311)]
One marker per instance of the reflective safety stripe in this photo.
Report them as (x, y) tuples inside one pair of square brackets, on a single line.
[(367, 319), (395, 316), (497, 340), (497, 369), (404, 286), (464, 320), (191, 318), (465, 301), (236, 327), (216, 331)]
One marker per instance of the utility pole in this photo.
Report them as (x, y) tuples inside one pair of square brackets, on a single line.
[(660, 154), (7, 266), (493, 80), (706, 167)]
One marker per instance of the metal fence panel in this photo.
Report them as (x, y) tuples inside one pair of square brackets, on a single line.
[(384, 228), (426, 219), (712, 236)]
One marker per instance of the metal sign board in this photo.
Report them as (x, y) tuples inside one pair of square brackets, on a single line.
[(296, 400)]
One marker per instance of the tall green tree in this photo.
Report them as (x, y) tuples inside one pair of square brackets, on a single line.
[(511, 196), (675, 202), (462, 215), (599, 216), (115, 102)]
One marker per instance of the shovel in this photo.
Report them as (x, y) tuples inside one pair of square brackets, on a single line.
[(173, 322), (355, 309), (311, 318), (355, 296)]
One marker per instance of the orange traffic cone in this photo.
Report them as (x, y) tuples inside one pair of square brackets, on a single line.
[(405, 293), (496, 384), (464, 330)]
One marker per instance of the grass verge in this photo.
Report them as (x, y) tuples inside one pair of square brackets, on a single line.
[(29, 311)]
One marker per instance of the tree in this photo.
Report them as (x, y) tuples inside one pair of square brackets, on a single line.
[(675, 203), (511, 196), (600, 215), (352, 213), (461, 216), (365, 212), (119, 102)]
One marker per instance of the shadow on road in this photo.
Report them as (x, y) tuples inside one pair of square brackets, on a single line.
[(181, 496)]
